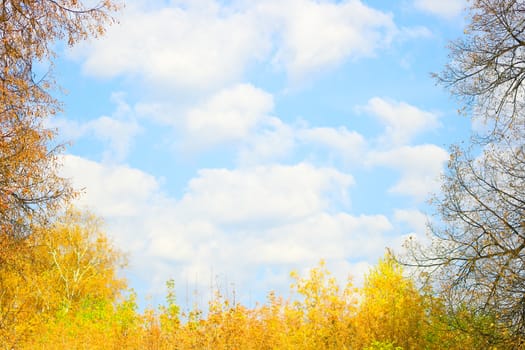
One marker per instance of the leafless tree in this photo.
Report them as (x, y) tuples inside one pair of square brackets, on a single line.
[(478, 248), (487, 67)]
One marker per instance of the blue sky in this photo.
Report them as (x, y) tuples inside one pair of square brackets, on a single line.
[(229, 142)]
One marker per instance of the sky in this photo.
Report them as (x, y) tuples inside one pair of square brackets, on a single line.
[(226, 143)]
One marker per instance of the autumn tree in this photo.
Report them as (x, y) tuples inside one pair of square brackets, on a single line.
[(82, 261), (30, 188), (81, 282), (30, 31), (323, 312), (391, 311), (65, 273), (478, 253)]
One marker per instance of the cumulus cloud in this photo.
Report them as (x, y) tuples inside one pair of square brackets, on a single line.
[(401, 120), (242, 114), (334, 237), (319, 34), (277, 140), (195, 47), (242, 195), (238, 222), (206, 44), (233, 114), (230, 114), (420, 167), (442, 8), (273, 142), (114, 190)]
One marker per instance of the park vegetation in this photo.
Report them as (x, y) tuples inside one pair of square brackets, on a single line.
[(61, 284)]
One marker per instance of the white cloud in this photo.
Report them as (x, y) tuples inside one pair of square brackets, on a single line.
[(319, 34), (349, 144), (196, 47), (420, 167), (201, 246), (234, 222), (415, 219), (204, 45), (356, 237), (401, 120), (417, 32), (118, 133), (163, 113), (277, 140), (235, 114), (442, 8), (118, 130), (263, 194), (273, 142), (416, 229), (230, 114), (242, 114), (115, 191)]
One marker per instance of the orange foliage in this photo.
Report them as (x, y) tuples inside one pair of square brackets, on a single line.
[(31, 191), (29, 185)]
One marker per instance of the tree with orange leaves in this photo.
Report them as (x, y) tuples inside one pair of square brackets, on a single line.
[(29, 184), (30, 188)]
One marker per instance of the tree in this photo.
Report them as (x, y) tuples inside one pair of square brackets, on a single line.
[(65, 271), (29, 184), (478, 253), (82, 261), (30, 188), (80, 282), (392, 311), (487, 67), (324, 311)]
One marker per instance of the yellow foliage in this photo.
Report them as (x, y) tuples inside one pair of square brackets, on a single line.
[(81, 261), (325, 314), (89, 312), (67, 268), (31, 191), (392, 309)]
